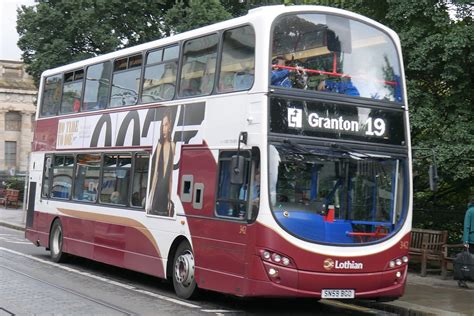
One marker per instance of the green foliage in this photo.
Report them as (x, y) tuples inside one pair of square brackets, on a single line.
[(58, 32), (196, 13), (16, 183)]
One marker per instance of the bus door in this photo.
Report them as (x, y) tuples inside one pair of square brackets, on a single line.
[(218, 213)]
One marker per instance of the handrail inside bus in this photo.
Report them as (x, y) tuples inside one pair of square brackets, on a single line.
[(334, 74)]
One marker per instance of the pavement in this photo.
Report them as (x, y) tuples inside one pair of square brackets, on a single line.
[(430, 295)]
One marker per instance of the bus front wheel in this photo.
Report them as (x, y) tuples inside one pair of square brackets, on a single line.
[(56, 242), (183, 271)]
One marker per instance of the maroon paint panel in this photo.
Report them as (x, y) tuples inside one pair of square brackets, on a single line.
[(197, 160), (119, 245), (309, 261), (220, 245), (39, 232), (293, 282), (45, 135)]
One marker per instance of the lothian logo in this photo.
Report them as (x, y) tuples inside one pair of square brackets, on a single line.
[(330, 264)]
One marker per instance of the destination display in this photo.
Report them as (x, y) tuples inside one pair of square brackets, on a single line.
[(339, 121)]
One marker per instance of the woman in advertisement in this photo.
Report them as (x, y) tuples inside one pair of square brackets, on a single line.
[(161, 170)]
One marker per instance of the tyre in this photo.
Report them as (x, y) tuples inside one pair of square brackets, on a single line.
[(183, 272), (56, 242)]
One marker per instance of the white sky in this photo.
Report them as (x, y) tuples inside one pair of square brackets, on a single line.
[(8, 34)]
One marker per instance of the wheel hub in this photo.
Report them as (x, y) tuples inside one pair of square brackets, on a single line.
[(184, 269)]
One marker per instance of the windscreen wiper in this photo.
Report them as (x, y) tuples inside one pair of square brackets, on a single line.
[(296, 146), (355, 154)]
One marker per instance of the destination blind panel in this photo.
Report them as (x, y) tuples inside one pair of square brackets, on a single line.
[(336, 121)]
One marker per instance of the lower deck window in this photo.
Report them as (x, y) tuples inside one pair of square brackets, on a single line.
[(87, 177), (118, 179)]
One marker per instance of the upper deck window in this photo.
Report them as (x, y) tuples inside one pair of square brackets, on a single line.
[(97, 88), (238, 60), (72, 91), (199, 66), (160, 74), (335, 55), (51, 95), (126, 81)]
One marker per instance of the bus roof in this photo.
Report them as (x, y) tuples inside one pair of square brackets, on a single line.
[(261, 16)]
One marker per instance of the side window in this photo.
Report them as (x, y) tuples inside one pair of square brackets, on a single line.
[(232, 198), (48, 161), (238, 60), (51, 95), (87, 174), (199, 66), (126, 81), (160, 75), (72, 91), (140, 178), (115, 179), (63, 167), (96, 92)]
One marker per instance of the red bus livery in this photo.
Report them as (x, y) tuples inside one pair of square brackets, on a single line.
[(268, 155)]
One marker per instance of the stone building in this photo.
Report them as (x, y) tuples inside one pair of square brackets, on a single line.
[(17, 113)]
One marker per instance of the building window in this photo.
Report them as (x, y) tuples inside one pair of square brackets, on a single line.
[(10, 154), (13, 121)]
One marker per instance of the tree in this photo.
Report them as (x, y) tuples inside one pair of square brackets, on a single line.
[(194, 14), (57, 32)]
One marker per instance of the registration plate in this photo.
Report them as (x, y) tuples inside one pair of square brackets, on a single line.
[(334, 293)]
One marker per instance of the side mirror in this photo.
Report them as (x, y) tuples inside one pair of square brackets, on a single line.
[(237, 162), (237, 169), (433, 175)]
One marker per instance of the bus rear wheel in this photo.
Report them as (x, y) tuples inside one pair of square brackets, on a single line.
[(56, 242), (183, 272)]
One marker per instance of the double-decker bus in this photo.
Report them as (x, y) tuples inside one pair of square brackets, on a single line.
[(267, 155)]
